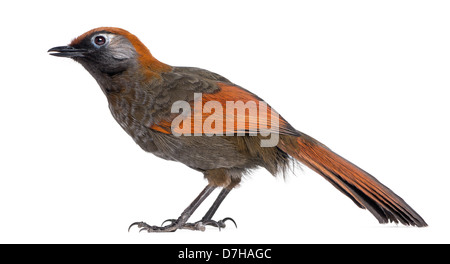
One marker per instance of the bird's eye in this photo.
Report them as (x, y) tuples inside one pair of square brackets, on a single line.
[(100, 40)]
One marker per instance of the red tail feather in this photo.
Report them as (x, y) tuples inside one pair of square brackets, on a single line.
[(366, 191)]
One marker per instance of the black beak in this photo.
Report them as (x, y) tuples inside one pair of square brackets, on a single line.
[(67, 51)]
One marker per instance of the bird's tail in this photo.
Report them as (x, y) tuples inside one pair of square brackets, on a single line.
[(364, 190)]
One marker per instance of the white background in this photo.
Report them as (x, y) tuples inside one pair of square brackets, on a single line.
[(370, 79)]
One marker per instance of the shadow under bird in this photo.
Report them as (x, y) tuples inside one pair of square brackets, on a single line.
[(141, 92)]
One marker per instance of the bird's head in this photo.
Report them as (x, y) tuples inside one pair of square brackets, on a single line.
[(108, 51)]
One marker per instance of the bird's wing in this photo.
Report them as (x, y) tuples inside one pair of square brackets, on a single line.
[(228, 111)]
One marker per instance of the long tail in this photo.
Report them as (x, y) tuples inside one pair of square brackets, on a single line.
[(366, 191)]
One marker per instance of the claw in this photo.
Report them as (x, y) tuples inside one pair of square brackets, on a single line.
[(139, 224), (227, 219), (172, 221)]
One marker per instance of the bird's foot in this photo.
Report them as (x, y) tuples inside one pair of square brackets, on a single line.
[(154, 229), (201, 225), (175, 224)]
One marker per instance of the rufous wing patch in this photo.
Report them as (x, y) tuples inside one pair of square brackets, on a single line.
[(231, 110)]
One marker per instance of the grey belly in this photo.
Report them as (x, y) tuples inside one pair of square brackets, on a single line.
[(201, 152)]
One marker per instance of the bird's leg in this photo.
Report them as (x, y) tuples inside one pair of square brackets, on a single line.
[(181, 221), (207, 219)]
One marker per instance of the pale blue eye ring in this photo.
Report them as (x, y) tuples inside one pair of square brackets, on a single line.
[(99, 40)]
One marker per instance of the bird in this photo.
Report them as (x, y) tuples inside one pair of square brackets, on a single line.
[(206, 122)]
